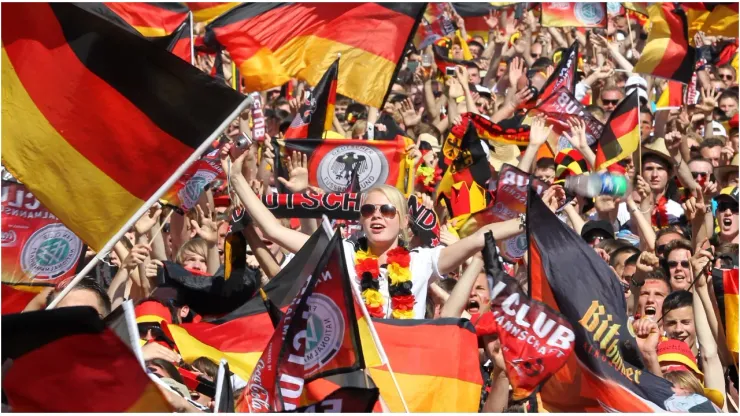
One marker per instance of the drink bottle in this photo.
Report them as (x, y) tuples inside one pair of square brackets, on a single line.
[(592, 185)]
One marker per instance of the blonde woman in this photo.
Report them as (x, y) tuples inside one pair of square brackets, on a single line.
[(392, 279)]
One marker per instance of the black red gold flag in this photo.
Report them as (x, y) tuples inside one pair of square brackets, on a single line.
[(607, 369), (331, 162), (508, 131), (316, 114), (621, 134), (71, 78), (667, 53), (207, 11), (151, 19), (442, 59), (272, 42), (725, 285), (79, 356), (722, 20), (179, 42), (564, 75), (344, 400)]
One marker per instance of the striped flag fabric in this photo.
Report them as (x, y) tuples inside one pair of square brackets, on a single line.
[(272, 42), (621, 134), (696, 15), (726, 287), (151, 19), (722, 20), (179, 42), (86, 127), (204, 12), (667, 53), (672, 96), (86, 366), (317, 114)]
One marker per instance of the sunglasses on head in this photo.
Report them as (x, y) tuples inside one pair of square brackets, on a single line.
[(386, 210), (609, 102), (672, 264), (725, 205)]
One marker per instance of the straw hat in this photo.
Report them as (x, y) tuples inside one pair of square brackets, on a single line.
[(721, 171), (658, 148), (503, 153), (426, 137)]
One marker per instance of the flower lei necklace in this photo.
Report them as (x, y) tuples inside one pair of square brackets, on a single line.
[(399, 285)]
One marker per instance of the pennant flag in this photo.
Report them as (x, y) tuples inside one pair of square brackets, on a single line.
[(667, 53), (621, 135), (273, 42), (607, 368), (549, 335), (722, 21), (574, 15), (185, 192), (671, 98), (344, 400), (204, 12), (564, 75), (86, 367), (151, 19), (316, 114), (463, 189), (224, 391), (331, 162), (57, 106), (37, 249)]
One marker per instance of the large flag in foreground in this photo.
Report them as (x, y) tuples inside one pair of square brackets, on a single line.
[(667, 53), (85, 366), (607, 368), (621, 134), (90, 110), (272, 42)]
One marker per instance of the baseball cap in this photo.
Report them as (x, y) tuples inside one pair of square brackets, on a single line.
[(677, 356), (639, 83), (730, 193), (152, 312), (597, 225)]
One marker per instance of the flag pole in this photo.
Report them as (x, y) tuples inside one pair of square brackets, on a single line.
[(154, 198), (192, 39), (219, 383)]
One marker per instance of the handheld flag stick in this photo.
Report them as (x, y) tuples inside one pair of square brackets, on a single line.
[(161, 227), (192, 39), (154, 198)]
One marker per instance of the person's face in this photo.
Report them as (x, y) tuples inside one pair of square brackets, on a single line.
[(501, 70), (628, 271), (483, 105), (480, 296), (536, 50), (82, 297), (664, 239), (700, 170), (646, 124), (679, 324), (727, 216), (474, 74), (431, 159), (379, 229), (735, 142), (650, 300), (272, 247), (457, 52), (194, 261), (475, 50), (728, 105), (712, 154), (545, 174), (223, 231), (610, 99), (679, 269), (656, 175), (727, 76)]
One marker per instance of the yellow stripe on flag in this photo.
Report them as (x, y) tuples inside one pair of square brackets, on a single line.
[(151, 32), (150, 401), (210, 13), (93, 205), (424, 393), (732, 322), (722, 21)]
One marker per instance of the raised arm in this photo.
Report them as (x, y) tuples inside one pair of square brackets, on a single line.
[(538, 134)]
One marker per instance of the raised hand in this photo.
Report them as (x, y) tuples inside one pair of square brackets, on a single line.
[(454, 88), (516, 70), (709, 100), (152, 268), (577, 136), (136, 256), (673, 141), (205, 225), (411, 117), (462, 75), (148, 220), (491, 20), (700, 263), (554, 197), (297, 174), (522, 96), (539, 132), (647, 262), (413, 153), (647, 334), (727, 154)]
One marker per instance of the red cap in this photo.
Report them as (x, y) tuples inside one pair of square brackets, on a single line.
[(152, 312), (616, 168)]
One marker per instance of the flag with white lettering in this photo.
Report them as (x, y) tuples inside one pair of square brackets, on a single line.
[(607, 369), (536, 340)]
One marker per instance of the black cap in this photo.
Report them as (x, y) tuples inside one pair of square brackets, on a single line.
[(605, 227)]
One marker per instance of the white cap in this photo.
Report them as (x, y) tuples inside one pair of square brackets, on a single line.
[(718, 129), (636, 81)]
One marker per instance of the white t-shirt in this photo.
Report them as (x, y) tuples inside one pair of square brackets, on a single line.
[(424, 271), (673, 210)]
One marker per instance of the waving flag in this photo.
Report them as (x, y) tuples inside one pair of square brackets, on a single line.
[(272, 42), (621, 135), (564, 75), (151, 19), (607, 368), (89, 111), (722, 20), (188, 188), (559, 14), (207, 11), (667, 53), (672, 96), (179, 42), (316, 114)]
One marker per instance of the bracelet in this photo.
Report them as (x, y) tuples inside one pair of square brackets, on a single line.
[(522, 221), (645, 212)]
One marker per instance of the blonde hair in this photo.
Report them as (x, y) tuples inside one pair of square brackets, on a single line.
[(358, 130), (686, 380), (197, 246), (396, 198)]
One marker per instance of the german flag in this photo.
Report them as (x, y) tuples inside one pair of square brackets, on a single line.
[(473, 14), (569, 162), (15, 298), (725, 285), (87, 109), (506, 132), (621, 135), (696, 15), (179, 42), (151, 19), (667, 53), (316, 115), (442, 59), (86, 367), (272, 42), (607, 370), (722, 21), (671, 98), (204, 12)]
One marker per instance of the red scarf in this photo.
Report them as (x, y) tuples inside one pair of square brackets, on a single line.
[(660, 213)]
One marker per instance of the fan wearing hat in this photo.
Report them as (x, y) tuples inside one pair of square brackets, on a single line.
[(727, 215), (679, 366), (728, 175), (657, 169), (594, 232)]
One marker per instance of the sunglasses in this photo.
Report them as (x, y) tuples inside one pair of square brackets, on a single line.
[(725, 205), (387, 210), (698, 174), (625, 286), (673, 264), (726, 77), (610, 102)]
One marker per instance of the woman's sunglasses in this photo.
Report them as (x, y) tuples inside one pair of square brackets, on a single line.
[(387, 210), (673, 264)]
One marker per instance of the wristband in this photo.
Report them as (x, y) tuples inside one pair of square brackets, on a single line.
[(460, 99)]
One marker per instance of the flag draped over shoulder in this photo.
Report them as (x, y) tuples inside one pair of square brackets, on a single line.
[(317, 113), (607, 369), (272, 42), (66, 360), (151, 19), (667, 53), (88, 108), (560, 14), (621, 134)]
